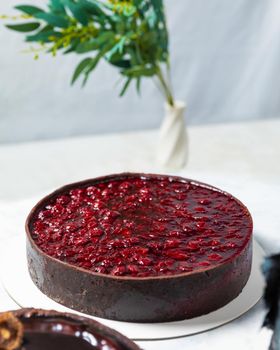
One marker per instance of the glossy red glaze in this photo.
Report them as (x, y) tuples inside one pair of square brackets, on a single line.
[(142, 226)]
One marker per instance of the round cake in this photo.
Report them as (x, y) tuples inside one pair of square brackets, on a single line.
[(140, 247), (35, 329)]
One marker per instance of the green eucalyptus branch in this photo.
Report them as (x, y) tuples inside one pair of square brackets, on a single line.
[(130, 35)]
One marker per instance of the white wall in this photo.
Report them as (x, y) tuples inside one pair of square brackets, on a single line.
[(225, 56)]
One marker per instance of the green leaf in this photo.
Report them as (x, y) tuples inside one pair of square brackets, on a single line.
[(140, 71), (57, 7), (138, 85), (24, 27), (80, 69), (117, 48), (133, 56), (120, 63), (29, 10), (152, 19), (120, 27), (94, 61), (125, 87), (73, 46), (87, 46), (159, 9), (105, 37), (98, 11), (43, 36), (97, 43), (78, 11), (129, 11), (138, 3), (94, 7), (93, 10), (70, 50), (54, 20), (47, 28), (91, 66), (118, 59)]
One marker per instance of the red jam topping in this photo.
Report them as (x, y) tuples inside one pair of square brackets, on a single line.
[(142, 226)]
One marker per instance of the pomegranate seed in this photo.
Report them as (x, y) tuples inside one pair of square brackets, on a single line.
[(174, 233), (200, 224), (95, 231), (204, 263), (171, 243), (205, 202), (141, 250), (177, 255), (193, 245), (126, 232), (133, 268), (215, 257), (63, 200), (118, 270), (200, 209), (145, 261)]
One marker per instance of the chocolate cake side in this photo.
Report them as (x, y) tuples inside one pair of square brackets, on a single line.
[(152, 299)]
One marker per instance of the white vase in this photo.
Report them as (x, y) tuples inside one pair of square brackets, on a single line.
[(173, 143)]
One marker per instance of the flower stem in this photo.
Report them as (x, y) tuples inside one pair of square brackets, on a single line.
[(165, 87)]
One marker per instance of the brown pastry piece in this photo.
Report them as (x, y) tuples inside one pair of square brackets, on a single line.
[(11, 332)]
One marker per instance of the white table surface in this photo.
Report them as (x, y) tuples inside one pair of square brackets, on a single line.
[(242, 158)]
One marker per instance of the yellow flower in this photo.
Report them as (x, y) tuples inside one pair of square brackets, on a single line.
[(125, 7), (15, 18)]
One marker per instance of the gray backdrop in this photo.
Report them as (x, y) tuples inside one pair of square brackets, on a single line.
[(225, 57)]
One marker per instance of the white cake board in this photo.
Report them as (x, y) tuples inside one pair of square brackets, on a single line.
[(19, 286)]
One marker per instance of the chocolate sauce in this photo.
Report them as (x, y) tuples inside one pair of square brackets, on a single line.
[(55, 341), (58, 333)]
